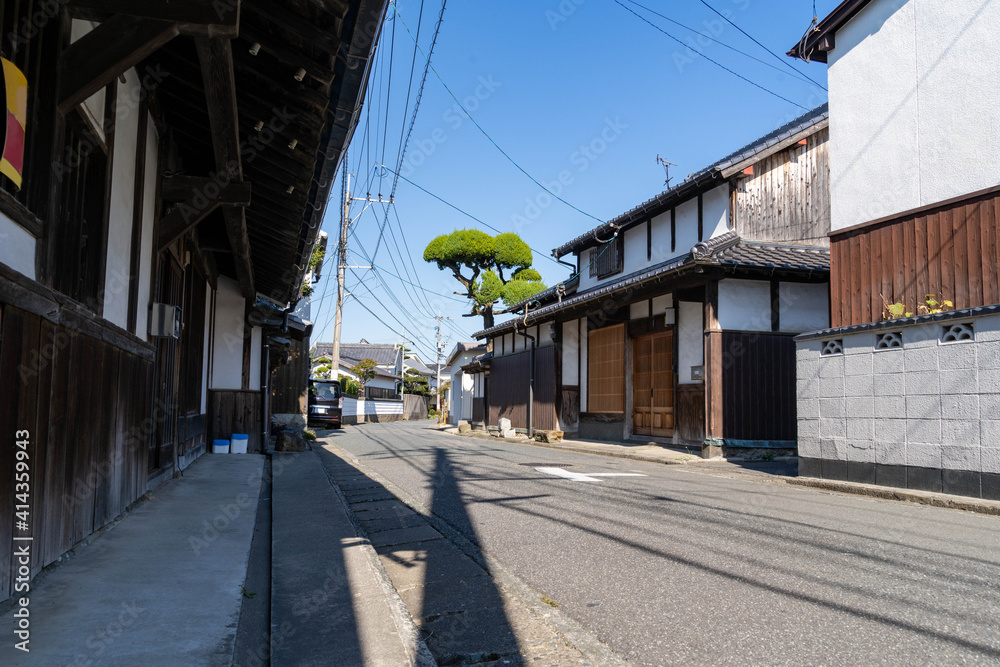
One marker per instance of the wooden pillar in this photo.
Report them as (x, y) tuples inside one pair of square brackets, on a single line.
[(713, 372)]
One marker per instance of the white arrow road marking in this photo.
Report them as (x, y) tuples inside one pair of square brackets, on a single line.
[(588, 477)]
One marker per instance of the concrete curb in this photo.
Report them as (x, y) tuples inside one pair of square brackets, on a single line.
[(977, 505), (579, 637), (943, 500), (400, 615)]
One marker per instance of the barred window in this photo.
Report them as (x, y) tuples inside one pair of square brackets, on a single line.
[(607, 258)]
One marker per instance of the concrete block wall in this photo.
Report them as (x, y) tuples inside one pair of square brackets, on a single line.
[(924, 415)]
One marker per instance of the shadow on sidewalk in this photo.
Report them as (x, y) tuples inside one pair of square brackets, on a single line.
[(454, 602)]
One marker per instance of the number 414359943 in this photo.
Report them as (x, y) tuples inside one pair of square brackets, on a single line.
[(22, 486)]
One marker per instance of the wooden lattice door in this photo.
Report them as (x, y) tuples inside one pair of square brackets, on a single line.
[(653, 384)]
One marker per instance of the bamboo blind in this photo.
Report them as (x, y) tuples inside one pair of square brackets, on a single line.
[(606, 369)]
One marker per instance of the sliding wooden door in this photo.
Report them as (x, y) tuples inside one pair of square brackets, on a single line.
[(653, 384)]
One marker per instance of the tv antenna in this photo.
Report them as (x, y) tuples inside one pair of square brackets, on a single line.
[(666, 168)]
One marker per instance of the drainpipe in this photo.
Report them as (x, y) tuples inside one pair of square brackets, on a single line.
[(531, 375)]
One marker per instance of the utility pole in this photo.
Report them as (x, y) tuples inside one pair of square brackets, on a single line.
[(345, 222), (341, 266), (438, 364), (402, 371)]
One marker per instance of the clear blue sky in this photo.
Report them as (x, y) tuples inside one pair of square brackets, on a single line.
[(581, 88)]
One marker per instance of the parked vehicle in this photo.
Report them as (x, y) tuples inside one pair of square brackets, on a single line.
[(325, 402)]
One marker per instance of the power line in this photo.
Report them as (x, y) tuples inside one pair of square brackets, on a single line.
[(783, 61), (714, 62), (801, 77), (485, 134)]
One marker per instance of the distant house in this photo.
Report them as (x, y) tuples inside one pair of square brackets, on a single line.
[(464, 386), (678, 324), (154, 238), (387, 357), (915, 167)]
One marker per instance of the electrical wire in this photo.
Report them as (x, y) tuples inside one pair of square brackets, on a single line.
[(486, 134), (714, 62), (783, 61)]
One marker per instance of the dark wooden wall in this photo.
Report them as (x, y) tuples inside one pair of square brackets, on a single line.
[(508, 389), (690, 423), (479, 409), (289, 382), (87, 405), (950, 250), (758, 386), (231, 411)]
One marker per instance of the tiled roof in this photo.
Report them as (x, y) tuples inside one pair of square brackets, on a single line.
[(727, 250), (697, 182), (384, 354)]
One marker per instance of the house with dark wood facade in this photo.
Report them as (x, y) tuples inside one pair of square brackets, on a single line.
[(915, 204), (155, 232), (678, 324)]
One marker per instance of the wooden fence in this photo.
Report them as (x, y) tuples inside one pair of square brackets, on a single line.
[(236, 412)]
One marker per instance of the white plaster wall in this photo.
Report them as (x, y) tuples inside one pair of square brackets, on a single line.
[(92, 107), (255, 360), (661, 239), (635, 249), (913, 106), (638, 310), (17, 247), (715, 212), (116, 277), (584, 335), (662, 302), (745, 305), (544, 332), (687, 226), (803, 307), (586, 281), (227, 363), (468, 387), (570, 350), (146, 243), (205, 355), (690, 343)]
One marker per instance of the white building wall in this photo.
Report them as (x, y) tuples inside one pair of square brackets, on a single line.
[(148, 220), (584, 335), (17, 247), (715, 212), (227, 349), (255, 358), (913, 107), (661, 240), (570, 352), (635, 249), (690, 339), (687, 226), (803, 307), (745, 305), (121, 210), (207, 342)]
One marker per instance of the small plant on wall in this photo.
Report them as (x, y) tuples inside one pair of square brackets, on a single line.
[(892, 311)]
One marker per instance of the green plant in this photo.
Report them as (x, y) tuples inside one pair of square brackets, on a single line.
[(892, 311), (932, 305), (549, 601), (365, 371), (768, 456), (247, 594), (309, 435), (348, 386)]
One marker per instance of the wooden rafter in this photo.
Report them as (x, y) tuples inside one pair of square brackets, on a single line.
[(216, 57), (196, 18), (198, 198), (92, 62), (287, 55)]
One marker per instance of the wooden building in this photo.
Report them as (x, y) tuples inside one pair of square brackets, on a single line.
[(177, 160), (677, 325)]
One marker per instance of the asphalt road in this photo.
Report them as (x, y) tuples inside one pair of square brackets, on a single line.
[(678, 566)]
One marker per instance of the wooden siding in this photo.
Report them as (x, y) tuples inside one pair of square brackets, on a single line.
[(479, 409), (758, 386), (508, 389), (289, 382), (788, 196), (691, 413), (236, 412), (951, 251), (606, 369), (87, 405)]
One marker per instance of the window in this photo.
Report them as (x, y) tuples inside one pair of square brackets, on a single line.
[(607, 258), (606, 369)]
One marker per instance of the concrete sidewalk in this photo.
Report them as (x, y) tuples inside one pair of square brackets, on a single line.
[(331, 603), (160, 588)]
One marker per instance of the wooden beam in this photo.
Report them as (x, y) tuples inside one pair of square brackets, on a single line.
[(196, 18), (287, 55), (92, 62), (192, 188), (179, 220), (216, 57), (296, 24)]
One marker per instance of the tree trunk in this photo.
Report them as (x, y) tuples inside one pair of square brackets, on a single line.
[(488, 317)]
